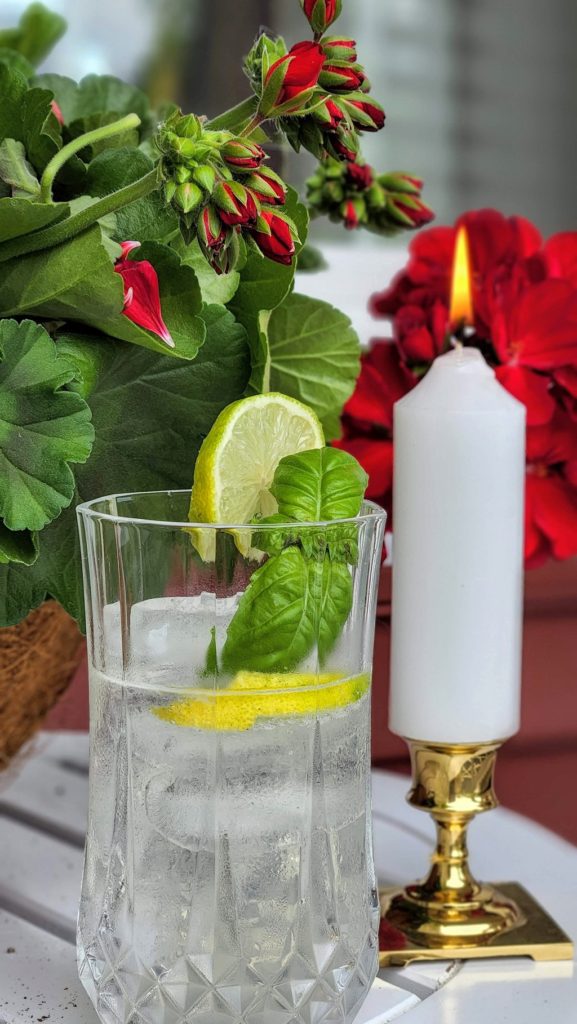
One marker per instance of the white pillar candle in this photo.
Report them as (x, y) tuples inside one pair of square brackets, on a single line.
[(458, 555)]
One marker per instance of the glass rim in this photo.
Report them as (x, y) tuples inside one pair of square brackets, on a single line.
[(86, 509)]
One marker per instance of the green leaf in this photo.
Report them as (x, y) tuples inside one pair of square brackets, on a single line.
[(76, 281), (95, 94), (311, 260), (21, 590), (148, 219), (180, 299), (17, 546), (42, 428), (26, 116), (40, 128), (264, 285), (320, 484), (316, 486), (22, 216), (315, 357), (13, 59), (16, 171), (38, 31), (219, 288), (150, 415), (290, 606), (331, 586), (13, 88)]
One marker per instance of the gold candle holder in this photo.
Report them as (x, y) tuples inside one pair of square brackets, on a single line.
[(450, 915)]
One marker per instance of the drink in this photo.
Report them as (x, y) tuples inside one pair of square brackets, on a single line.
[(229, 873), (229, 870)]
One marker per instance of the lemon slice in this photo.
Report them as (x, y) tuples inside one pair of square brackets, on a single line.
[(257, 695), (238, 460)]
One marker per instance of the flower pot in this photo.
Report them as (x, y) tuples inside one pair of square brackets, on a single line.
[(38, 658)]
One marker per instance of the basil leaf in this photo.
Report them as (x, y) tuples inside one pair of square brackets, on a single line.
[(290, 606), (321, 484), (316, 486)]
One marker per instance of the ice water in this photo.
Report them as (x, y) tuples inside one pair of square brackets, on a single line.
[(229, 874)]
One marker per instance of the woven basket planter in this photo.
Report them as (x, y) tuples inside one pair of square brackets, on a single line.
[(38, 658)]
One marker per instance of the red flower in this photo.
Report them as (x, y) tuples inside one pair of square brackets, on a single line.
[(360, 176), (141, 294), (351, 217), (337, 114), (236, 204), (279, 245), (302, 66), (211, 232), (367, 115), (242, 156), (267, 187), (57, 111), (368, 416), (321, 13), (342, 77), (340, 48), (525, 301)]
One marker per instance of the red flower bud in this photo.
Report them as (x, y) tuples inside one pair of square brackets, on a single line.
[(321, 13), (267, 187), (57, 111), (279, 244), (211, 232), (337, 113), (350, 215), (339, 49), (360, 176), (242, 156), (142, 295), (341, 149), (367, 115), (301, 68), (341, 77), (410, 212), (236, 204)]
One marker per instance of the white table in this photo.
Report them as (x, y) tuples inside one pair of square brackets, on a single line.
[(42, 817)]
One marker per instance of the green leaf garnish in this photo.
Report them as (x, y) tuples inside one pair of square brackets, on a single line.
[(290, 605), (302, 596)]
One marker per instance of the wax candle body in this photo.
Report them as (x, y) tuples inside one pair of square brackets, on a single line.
[(458, 555)]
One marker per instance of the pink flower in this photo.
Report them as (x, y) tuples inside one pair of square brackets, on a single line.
[(57, 112), (141, 293)]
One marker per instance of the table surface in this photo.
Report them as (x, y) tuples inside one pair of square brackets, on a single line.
[(43, 811)]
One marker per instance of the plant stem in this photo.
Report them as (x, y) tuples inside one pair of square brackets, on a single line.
[(255, 123), (107, 131), (72, 226)]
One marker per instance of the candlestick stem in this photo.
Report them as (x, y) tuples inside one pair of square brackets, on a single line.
[(452, 783)]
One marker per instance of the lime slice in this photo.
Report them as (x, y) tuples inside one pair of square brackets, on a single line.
[(238, 460), (237, 708)]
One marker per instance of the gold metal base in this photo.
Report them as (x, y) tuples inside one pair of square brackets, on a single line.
[(450, 914), (538, 936)]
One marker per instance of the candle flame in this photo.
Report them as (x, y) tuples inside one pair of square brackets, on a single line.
[(462, 289)]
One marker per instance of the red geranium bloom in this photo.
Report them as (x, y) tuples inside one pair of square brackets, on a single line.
[(141, 293), (303, 65), (525, 303), (368, 416)]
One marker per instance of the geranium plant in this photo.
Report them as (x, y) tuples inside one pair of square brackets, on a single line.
[(525, 304), (147, 263)]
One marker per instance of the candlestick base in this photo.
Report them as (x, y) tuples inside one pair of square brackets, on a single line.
[(450, 914)]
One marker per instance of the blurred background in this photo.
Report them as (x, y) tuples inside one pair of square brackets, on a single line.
[(482, 103)]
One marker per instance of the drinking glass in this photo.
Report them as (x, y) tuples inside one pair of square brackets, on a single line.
[(229, 870)]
